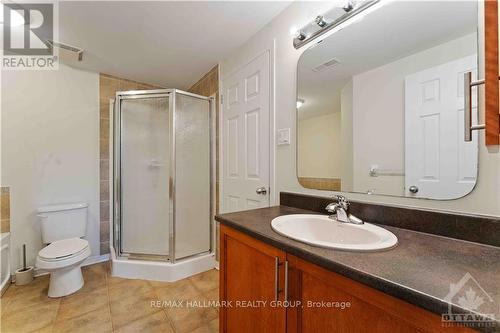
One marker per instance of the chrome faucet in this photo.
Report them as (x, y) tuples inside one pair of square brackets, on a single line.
[(340, 211)]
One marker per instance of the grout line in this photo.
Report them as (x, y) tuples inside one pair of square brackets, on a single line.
[(107, 295), (164, 310), (53, 322)]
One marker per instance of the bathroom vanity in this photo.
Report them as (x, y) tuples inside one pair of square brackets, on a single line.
[(404, 289)]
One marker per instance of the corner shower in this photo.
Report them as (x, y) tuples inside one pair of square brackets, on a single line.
[(162, 184)]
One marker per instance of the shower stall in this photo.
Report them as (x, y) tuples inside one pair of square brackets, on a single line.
[(162, 184)]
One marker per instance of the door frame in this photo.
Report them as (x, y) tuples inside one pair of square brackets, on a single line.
[(270, 50)]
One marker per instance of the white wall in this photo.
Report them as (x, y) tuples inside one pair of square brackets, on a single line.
[(50, 153), (379, 113), (319, 146), (346, 136), (276, 37)]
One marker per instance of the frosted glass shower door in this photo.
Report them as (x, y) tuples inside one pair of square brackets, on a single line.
[(192, 175), (145, 156)]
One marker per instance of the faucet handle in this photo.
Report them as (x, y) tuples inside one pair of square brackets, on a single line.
[(332, 207), (342, 201)]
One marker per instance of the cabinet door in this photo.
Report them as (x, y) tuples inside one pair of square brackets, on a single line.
[(369, 310), (491, 98), (250, 272)]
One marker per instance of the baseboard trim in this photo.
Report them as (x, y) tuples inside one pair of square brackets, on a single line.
[(96, 259)]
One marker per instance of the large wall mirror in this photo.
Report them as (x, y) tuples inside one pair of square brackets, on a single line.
[(380, 103)]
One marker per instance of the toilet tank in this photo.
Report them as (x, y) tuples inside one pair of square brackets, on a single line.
[(63, 221)]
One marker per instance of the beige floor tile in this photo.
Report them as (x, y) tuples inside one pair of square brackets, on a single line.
[(96, 321), (106, 303), (94, 279), (10, 292), (30, 319), (37, 284), (4, 302), (155, 323), (214, 325), (189, 317), (211, 327), (100, 268), (206, 281), (128, 309), (180, 290), (202, 329), (79, 304), (160, 284), (111, 280), (129, 288), (212, 295), (34, 296), (46, 329)]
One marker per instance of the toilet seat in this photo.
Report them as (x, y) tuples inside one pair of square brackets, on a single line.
[(63, 249), (63, 253)]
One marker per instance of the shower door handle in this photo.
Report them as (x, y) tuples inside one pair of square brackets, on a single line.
[(261, 190)]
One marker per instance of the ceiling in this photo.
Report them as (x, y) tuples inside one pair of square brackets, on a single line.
[(171, 44), (393, 31)]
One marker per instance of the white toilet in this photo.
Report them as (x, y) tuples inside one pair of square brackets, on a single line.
[(62, 227)]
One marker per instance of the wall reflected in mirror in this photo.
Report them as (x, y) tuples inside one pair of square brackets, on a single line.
[(380, 103)]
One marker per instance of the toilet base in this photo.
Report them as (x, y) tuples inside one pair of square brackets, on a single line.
[(65, 281)]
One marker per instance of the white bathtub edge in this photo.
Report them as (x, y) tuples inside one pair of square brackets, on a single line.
[(5, 246)]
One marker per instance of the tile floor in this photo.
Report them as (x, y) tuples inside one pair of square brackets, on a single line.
[(111, 304)]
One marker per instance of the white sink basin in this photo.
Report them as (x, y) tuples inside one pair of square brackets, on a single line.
[(319, 230)]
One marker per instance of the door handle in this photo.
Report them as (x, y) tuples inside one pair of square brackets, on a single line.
[(277, 289), (413, 189), (261, 190), (286, 281), (276, 278)]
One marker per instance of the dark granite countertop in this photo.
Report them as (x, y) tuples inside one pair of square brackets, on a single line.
[(419, 270)]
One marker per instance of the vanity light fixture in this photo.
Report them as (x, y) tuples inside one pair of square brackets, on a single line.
[(300, 36), (320, 21), (348, 6), (300, 102), (335, 17)]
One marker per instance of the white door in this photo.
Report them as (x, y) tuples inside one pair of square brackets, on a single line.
[(245, 137), (439, 164)]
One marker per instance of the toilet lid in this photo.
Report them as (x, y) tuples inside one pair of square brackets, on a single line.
[(63, 248)]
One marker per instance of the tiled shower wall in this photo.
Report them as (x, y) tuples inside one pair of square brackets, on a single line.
[(108, 86), (5, 209)]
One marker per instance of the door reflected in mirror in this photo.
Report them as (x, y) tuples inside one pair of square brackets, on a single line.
[(380, 103)]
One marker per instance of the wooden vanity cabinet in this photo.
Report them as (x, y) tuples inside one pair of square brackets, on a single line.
[(248, 272), (491, 64), (369, 310)]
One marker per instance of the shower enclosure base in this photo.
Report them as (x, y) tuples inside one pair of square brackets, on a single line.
[(160, 271)]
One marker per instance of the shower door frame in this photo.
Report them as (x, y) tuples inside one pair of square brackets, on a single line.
[(117, 170)]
